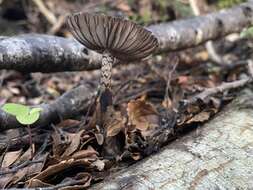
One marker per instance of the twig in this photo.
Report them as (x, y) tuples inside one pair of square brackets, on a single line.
[(57, 26), (45, 11), (219, 89), (56, 187), (250, 68), (213, 55), (24, 164), (194, 6), (19, 142), (168, 87)]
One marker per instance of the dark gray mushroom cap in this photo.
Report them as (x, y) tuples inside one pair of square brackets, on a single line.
[(122, 38)]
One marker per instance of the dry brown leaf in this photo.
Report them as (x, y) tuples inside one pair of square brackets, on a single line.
[(90, 152), (200, 117), (68, 123), (83, 180), (4, 180), (203, 56), (123, 6), (60, 170), (99, 138), (10, 158), (167, 103), (37, 183), (114, 122), (24, 157), (59, 143), (16, 177), (35, 168), (142, 115), (75, 143), (136, 156)]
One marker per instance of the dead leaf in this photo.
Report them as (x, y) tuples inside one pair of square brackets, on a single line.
[(35, 168), (203, 55), (68, 123), (37, 183), (25, 156), (114, 122), (75, 140), (90, 152), (99, 165), (136, 156), (200, 117), (61, 170), (142, 115), (19, 175), (10, 158), (99, 138), (184, 80), (123, 6), (82, 179), (59, 143)]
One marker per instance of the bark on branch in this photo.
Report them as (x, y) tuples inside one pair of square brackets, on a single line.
[(43, 53)]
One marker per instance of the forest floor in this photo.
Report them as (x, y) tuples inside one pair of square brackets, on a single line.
[(175, 92)]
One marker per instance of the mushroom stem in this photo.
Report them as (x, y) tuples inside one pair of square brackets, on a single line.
[(105, 81), (106, 70)]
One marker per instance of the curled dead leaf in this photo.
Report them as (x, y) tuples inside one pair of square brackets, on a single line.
[(75, 140), (58, 172), (142, 115), (114, 123), (88, 153)]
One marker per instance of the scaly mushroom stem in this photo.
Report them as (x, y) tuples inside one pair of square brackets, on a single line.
[(105, 81), (106, 70)]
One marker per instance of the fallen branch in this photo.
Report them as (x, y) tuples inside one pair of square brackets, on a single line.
[(208, 92), (66, 106), (43, 53)]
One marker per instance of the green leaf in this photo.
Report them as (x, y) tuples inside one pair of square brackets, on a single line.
[(15, 109), (28, 119), (35, 110)]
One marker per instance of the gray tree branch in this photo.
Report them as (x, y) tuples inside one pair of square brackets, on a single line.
[(43, 53)]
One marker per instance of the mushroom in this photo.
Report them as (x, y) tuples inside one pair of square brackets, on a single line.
[(114, 38)]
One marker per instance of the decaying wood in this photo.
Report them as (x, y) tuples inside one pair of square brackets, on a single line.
[(66, 106), (216, 156), (42, 53)]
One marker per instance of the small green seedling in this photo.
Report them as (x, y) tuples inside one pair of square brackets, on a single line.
[(24, 115)]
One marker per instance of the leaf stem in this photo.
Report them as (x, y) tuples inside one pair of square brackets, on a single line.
[(30, 140)]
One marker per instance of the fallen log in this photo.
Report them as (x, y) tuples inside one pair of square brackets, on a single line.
[(215, 156), (44, 53)]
